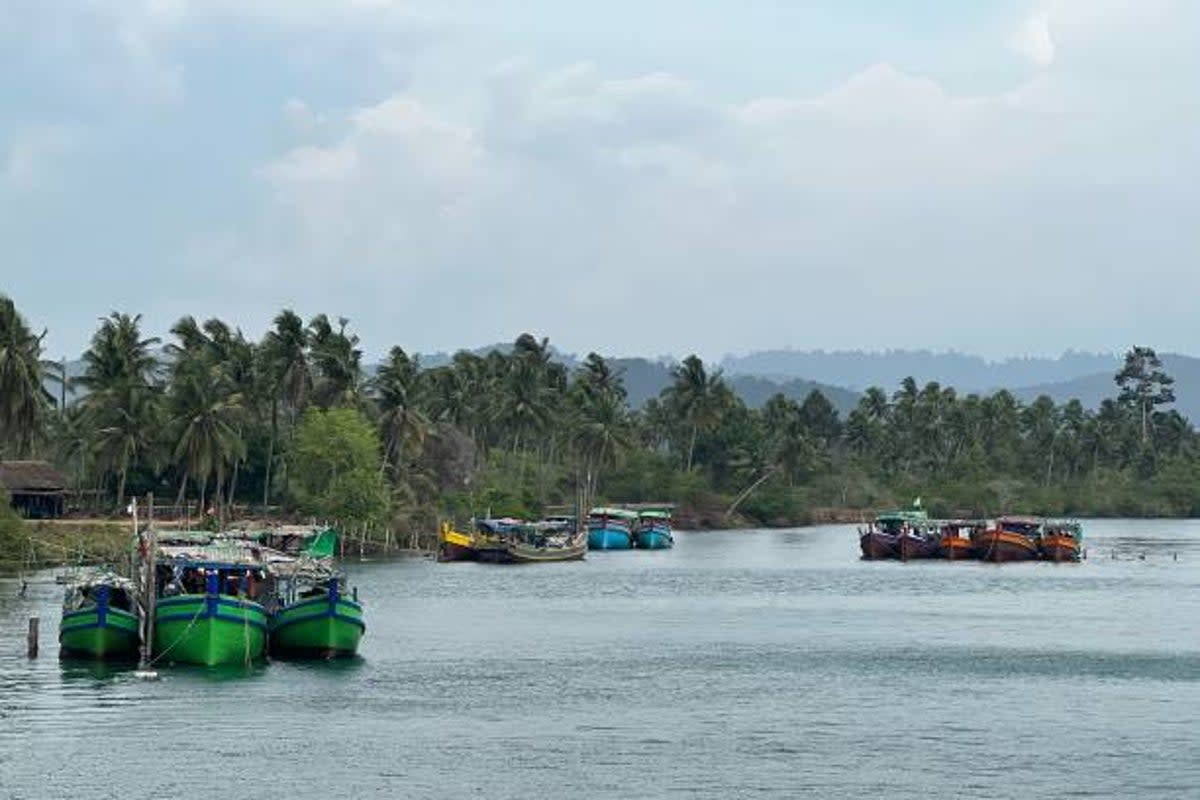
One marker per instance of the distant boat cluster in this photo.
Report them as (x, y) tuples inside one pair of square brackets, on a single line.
[(211, 599), (515, 541), (911, 534)]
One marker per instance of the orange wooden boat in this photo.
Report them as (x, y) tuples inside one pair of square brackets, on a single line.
[(1062, 541), (1012, 539), (956, 543)]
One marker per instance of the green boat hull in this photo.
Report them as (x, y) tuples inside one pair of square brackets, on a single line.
[(321, 626), (208, 630), (89, 633)]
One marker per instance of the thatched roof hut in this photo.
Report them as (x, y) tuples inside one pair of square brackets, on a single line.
[(35, 488)]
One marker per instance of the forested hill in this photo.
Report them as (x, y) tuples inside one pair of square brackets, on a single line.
[(859, 370), (646, 378), (1091, 390)]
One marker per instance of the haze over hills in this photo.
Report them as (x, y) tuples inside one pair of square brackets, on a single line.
[(859, 370), (1093, 389)]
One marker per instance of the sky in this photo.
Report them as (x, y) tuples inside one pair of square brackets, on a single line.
[(652, 177)]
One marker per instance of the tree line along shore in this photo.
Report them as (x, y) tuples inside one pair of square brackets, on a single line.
[(295, 424)]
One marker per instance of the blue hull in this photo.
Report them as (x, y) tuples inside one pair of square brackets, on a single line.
[(655, 540), (609, 539)]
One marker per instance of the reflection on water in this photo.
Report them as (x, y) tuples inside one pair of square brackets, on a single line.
[(767, 664)]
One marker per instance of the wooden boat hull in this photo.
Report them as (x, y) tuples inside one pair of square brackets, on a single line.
[(1060, 548), (99, 632), (208, 630), (1002, 546), (609, 538), (956, 548), (656, 538), (325, 627), (523, 553), (455, 546), (875, 544), (909, 547)]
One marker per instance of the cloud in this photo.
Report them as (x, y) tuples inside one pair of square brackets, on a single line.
[(562, 198), (32, 154), (1034, 40)]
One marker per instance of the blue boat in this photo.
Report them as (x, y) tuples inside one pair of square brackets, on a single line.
[(653, 530), (611, 529)]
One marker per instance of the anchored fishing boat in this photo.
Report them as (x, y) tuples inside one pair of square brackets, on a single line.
[(208, 610), (1062, 540), (99, 617), (454, 545), (652, 530), (611, 529), (313, 617), (918, 539), (509, 541), (880, 539), (1011, 539), (956, 543)]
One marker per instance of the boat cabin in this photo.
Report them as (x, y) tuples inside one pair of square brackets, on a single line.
[(88, 591), (180, 577), (1025, 526)]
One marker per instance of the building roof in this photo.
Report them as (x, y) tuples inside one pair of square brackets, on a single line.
[(32, 476)]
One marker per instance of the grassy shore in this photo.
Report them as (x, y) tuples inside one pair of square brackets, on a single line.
[(52, 543)]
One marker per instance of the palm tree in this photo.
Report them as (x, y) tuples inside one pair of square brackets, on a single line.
[(338, 360), (211, 370), (24, 402), (396, 388), (693, 396), (284, 367), (206, 416), (122, 405)]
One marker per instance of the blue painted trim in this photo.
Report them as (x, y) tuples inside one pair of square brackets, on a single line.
[(322, 601), (90, 625), (221, 600), (280, 623), (90, 612), (219, 617)]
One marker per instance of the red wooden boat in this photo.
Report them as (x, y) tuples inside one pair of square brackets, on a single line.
[(917, 543), (880, 539), (1012, 539)]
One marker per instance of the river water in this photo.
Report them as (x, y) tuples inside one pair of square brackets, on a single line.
[(742, 664)]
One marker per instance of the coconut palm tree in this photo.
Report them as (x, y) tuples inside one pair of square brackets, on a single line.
[(396, 390), (283, 365), (338, 361), (693, 395), (123, 400), (24, 402)]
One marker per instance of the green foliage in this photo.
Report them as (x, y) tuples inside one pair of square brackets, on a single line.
[(336, 467), (14, 538), (293, 420), (24, 403)]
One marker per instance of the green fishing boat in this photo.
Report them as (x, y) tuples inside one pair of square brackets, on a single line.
[(99, 618), (207, 611), (315, 618)]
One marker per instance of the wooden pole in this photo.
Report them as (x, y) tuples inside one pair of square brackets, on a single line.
[(31, 638), (151, 601)]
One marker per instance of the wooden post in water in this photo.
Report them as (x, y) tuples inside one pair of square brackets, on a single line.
[(151, 600), (31, 638)]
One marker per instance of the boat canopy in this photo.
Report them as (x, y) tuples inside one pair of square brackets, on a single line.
[(654, 513), (615, 513)]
